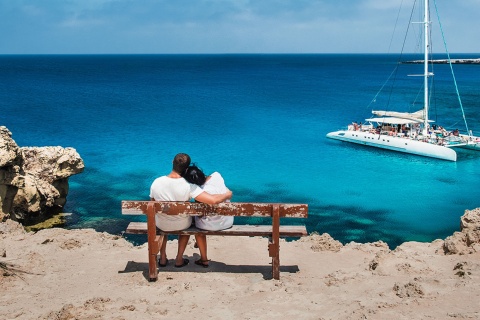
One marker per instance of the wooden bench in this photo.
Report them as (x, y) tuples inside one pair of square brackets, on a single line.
[(273, 210)]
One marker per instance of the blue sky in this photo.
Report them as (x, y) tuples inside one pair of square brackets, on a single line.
[(221, 26)]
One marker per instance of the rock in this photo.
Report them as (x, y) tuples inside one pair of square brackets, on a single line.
[(324, 242), (51, 163), (456, 244), (9, 150), (11, 228), (409, 290), (470, 220), (34, 180), (468, 240), (57, 220)]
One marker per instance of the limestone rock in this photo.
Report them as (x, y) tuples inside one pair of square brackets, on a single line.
[(470, 220), (468, 240), (34, 180), (324, 242), (455, 244), (9, 150), (51, 163), (409, 290)]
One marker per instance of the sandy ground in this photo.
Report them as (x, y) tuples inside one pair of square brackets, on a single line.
[(83, 274)]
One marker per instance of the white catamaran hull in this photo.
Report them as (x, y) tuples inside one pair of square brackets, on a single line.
[(394, 143), (473, 142)]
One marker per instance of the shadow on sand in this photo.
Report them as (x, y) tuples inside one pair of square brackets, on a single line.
[(215, 266)]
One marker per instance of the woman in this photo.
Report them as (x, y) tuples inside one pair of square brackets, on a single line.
[(213, 184)]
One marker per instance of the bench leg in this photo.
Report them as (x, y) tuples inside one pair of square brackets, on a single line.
[(154, 243), (274, 252), (153, 249), (274, 245), (152, 267)]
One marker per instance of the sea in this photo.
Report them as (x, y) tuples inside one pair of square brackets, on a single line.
[(261, 121)]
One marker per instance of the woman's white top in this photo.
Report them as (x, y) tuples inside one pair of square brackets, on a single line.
[(214, 185)]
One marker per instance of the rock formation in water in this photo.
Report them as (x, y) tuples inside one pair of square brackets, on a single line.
[(34, 180)]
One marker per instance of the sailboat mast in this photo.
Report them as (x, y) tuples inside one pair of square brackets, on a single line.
[(425, 64)]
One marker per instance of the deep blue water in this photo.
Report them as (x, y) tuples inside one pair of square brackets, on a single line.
[(260, 120)]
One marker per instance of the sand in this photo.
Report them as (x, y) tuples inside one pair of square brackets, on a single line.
[(83, 274)]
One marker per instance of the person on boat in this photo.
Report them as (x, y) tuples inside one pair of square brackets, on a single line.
[(213, 184), (443, 132), (456, 133), (393, 131), (415, 131), (173, 187)]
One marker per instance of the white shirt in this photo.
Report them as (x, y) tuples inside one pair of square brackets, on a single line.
[(173, 189), (214, 185)]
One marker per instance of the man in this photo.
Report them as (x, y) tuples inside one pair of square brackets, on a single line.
[(173, 187)]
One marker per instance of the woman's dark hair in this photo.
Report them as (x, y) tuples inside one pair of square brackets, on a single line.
[(195, 175)]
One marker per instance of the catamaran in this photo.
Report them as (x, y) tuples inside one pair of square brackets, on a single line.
[(407, 132)]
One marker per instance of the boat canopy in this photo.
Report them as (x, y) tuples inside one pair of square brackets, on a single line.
[(392, 120), (414, 116)]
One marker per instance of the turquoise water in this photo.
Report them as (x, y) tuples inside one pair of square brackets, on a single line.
[(260, 120)]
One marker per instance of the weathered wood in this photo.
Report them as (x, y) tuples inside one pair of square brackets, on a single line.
[(235, 230), (274, 247), (276, 211), (154, 242), (242, 209)]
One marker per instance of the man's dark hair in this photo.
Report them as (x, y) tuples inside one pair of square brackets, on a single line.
[(181, 163)]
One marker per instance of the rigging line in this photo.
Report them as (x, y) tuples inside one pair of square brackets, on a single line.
[(395, 27), (395, 70), (451, 68), (383, 86), (411, 106), (451, 126), (431, 82), (432, 90), (401, 53), (388, 51), (433, 96)]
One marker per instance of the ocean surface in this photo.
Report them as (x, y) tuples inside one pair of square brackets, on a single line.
[(259, 120)]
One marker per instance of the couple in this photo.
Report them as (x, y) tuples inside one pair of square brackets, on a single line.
[(174, 187)]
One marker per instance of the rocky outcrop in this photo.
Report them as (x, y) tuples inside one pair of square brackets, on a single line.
[(468, 239), (34, 180), (324, 242)]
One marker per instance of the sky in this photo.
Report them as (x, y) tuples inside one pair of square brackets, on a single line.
[(224, 26)]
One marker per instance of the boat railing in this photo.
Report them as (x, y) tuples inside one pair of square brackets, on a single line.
[(359, 127)]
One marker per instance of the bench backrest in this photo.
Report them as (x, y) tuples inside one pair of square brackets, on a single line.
[(290, 210)]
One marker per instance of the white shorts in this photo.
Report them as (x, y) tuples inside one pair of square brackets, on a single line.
[(172, 223), (214, 223)]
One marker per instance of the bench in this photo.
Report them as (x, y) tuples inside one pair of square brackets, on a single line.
[(239, 209)]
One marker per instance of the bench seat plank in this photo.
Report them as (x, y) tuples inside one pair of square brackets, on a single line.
[(235, 230)]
